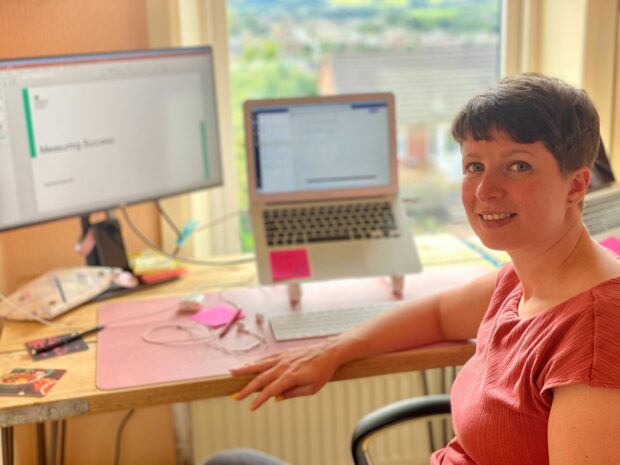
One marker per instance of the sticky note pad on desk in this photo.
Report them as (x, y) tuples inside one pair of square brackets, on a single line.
[(216, 316), (289, 264)]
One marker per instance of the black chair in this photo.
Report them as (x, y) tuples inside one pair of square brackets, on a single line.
[(393, 414)]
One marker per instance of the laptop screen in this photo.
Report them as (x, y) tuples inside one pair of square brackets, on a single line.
[(602, 175), (320, 145)]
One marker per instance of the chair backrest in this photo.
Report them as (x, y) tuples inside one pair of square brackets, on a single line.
[(393, 414)]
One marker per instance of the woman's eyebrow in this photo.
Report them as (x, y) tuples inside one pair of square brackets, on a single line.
[(507, 153), (519, 151)]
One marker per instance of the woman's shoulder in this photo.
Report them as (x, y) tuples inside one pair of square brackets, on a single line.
[(607, 289), (605, 299), (586, 339)]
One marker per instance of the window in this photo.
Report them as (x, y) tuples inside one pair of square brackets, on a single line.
[(432, 54)]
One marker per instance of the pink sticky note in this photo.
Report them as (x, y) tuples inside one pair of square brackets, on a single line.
[(289, 264), (216, 316), (612, 243)]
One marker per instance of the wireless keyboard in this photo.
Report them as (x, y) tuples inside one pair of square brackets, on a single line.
[(325, 322)]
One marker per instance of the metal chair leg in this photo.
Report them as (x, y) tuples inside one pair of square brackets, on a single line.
[(41, 449), (7, 445)]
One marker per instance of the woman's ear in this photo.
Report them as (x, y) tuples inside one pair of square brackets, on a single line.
[(579, 182)]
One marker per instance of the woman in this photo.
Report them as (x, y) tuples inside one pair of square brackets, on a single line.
[(544, 384)]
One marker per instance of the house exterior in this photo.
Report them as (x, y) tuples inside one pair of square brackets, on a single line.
[(430, 84)]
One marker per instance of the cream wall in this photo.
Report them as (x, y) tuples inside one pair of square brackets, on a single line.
[(561, 39), (574, 40), (577, 44)]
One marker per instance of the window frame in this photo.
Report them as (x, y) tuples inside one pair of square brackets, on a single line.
[(530, 31)]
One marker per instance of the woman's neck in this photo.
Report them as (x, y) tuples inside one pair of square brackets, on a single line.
[(544, 272)]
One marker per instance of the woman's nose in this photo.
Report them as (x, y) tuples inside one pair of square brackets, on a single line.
[(490, 186)]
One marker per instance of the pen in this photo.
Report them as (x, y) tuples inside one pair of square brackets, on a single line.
[(60, 290), (67, 340), (232, 321)]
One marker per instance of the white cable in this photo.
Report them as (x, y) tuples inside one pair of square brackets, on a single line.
[(203, 334), (207, 337), (247, 259)]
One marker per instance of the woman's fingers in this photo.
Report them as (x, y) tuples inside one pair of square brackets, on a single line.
[(256, 367), (297, 392), (257, 384), (274, 389), (251, 368), (286, 374)]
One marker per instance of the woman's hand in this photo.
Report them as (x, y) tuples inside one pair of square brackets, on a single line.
[(292, 373)]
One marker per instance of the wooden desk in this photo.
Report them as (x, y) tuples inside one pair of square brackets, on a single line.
[(77, 393)]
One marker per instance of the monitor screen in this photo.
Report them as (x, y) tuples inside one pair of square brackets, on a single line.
[(91, 132), (316, 146)]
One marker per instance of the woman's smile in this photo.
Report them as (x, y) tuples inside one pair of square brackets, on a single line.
[(496, 219)]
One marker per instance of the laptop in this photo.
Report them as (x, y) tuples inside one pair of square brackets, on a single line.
[(323, 188), (601, 206)]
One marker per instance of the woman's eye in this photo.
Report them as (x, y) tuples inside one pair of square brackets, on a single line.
[(474, 167), (520, 166)]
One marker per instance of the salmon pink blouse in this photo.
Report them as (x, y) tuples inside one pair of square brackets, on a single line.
[(502, 397)]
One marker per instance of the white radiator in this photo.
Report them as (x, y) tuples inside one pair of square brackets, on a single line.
[(317, 430)]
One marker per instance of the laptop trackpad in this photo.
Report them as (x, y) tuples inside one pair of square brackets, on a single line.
[(337, 261)]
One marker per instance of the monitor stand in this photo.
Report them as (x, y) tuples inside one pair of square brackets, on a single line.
[(109, 250), (294, 290)]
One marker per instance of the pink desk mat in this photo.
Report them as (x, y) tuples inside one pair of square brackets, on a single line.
[(125, 360)]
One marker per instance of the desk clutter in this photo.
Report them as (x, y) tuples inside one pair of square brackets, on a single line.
[(168, 339), (29, 382), (58, 291)]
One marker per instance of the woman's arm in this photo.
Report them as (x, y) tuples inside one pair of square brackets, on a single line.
[(584, 426), (450, 315)]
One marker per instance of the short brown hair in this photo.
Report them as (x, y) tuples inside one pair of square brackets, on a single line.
[(530, 108)]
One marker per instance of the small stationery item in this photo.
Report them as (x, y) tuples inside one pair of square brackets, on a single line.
[(35, 382), (216, 316), (34, 347), (68, 339), (230, 324), (289, 264)]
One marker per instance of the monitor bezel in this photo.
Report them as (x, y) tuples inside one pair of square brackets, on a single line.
[(256, 197), (41, 60)]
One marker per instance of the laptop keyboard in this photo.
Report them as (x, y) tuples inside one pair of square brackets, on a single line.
[(325, 322), (603, 213), (337, 222)]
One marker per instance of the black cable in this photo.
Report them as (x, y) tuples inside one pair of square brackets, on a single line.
[(154, 246), (171, 223), (119, 433), (166, 217), (208, 225)]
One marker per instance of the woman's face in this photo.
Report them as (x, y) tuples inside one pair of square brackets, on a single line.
[(514, 194)]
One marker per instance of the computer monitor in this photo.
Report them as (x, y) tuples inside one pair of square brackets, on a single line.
[(85, 133)]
